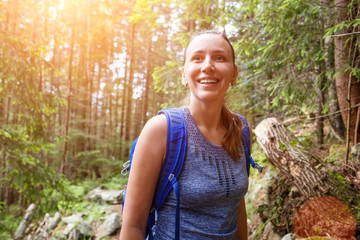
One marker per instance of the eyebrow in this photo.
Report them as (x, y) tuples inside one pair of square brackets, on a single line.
[(216, 51)]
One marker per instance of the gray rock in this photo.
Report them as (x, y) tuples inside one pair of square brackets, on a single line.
[(54, 222), (19, 234), (73, 218), (68, 229), (103, 195), (355, 151), (269, 233), (110, 225), (289, 236), (79, 231)]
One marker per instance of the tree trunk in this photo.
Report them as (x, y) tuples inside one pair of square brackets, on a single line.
[(336, 121), (148, 80), (306, 171), (122, 114), (67, 118), (319, 121), (129, 89), (89, 77), (344, 53)]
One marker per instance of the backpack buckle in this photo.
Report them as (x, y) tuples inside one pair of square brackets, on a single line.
[(258, 167), (126, 166)]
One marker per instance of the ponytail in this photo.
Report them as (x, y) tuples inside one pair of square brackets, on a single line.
[(232, 139)]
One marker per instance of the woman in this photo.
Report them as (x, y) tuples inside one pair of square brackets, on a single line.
[(214, 179)]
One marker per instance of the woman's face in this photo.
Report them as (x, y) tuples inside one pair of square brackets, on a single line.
[(209, 68)]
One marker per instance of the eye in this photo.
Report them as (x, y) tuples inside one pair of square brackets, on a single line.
[(219, 58), (196, 58)]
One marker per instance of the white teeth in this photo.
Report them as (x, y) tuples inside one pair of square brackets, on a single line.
[(204, 81)]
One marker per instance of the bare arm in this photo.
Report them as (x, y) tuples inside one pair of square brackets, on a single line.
[(242, 230), (145, 169)]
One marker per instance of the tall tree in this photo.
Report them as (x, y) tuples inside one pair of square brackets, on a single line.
[(346, 50), (69, 92)]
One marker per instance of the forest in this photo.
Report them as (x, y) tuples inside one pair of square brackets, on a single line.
[(79, 79)]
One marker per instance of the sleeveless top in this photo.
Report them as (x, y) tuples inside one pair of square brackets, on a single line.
[(211, 187)]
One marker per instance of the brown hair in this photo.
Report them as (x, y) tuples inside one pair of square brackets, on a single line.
[(232, 139)]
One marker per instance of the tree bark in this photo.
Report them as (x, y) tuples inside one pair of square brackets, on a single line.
[(129, 89), (67, 119), (343, 56), (285, 152), (123, 102), (336, 121), (89, 77), (148, 79), (319, 121)]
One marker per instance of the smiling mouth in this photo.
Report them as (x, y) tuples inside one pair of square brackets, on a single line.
[(208, 81)]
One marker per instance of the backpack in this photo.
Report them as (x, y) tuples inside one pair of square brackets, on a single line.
[(174, 159)]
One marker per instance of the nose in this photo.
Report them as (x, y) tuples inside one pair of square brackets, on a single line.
[(208, 66)]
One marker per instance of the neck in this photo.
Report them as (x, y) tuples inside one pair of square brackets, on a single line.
[(206, 116)]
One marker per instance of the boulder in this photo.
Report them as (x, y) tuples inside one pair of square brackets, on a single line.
[(104, 195), (110, 226), (77, 228), (73, 218), (269, 233), (289, 236), (355, 151), (82, 231)]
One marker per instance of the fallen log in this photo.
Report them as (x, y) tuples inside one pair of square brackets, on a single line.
[(306, 171), (312, 177)]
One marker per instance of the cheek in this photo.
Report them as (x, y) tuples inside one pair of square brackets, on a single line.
[(191, 71)]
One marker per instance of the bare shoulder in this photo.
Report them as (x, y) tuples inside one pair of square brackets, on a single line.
[(152, 140), (156, 126)]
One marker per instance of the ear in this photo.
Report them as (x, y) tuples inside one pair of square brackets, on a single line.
[(183, 76), (236, 73)]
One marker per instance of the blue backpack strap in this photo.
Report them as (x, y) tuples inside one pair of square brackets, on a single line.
[(175, 153), (171, 168), (173, 162), (246, 142)]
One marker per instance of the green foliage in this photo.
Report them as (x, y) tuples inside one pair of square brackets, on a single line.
[(8, 223), (346, 192), (336, 154), (25, 170), (167, 79), (279, 44)]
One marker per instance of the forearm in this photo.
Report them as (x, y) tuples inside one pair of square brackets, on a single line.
[(131, 233)]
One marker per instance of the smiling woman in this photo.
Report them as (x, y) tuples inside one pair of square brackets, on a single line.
[(214, 178)]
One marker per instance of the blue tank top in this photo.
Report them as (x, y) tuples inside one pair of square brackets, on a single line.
[(211, 187)]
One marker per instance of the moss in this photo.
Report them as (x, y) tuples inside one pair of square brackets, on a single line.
[(336, 153), (346, 194), (282, 146), (294, 143), (342, 186), (305, 142)]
